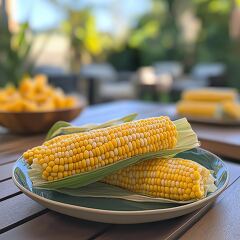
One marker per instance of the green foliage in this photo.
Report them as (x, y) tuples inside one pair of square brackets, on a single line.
[(125, 58), (214, 42), (86, 42), (155, 37), (14, 51)]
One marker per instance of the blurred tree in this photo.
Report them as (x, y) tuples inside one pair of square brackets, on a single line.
[(86, 42), (214, 40), (159, 30), (158, 36), (125, 58), (155, 37), (14, 51), (218, 39)]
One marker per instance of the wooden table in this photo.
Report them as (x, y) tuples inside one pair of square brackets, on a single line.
[(22, 218)]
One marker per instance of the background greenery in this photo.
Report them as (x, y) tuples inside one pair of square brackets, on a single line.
[(156, 36), (14, 51)]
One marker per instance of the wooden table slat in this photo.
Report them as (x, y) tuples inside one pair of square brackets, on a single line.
[(221, 134), (20, 144), (10, 152), (222, 221), (6, 171), (234, 170), (156, 230), (7, 188), (16, 209), (9, 158), (226, 150), (55, 226)]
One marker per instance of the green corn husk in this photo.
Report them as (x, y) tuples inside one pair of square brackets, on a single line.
[(64, 128), (187, 139), (55, 129), (103, 190)]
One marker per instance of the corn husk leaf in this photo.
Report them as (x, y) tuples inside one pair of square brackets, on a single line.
[(64, 128), (55, 127), (103, 190), (187, 139)]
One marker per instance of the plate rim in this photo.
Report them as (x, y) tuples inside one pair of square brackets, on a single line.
[(124, 212)]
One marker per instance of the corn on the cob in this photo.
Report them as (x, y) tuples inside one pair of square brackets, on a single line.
[(81, 152), (199, 109), (175, 179), (210, 95), (232, 109)]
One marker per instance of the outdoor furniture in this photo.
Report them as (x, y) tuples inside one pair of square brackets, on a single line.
[(210, 74), (117, 91), (22, 218), (68, 82), (94, 74), (151, 83), (184, 83), (175, 69), (124, 87)]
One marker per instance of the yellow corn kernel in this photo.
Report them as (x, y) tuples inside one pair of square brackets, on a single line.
[(145, 178), (91, 156)]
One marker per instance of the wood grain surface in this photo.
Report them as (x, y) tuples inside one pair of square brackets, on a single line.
[(7, 189), (222, 221), (12, 212), (55, 226), (22, 218), (169, 229), (6, 171)]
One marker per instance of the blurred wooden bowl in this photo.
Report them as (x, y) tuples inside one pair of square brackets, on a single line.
[(38, 122)]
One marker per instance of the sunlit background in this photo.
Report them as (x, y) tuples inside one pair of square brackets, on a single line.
[(130, 49)]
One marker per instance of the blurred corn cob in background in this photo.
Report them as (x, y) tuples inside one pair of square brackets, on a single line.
[(231, 109), (210, 95), (174, 178), (199, 109), (211, 103)]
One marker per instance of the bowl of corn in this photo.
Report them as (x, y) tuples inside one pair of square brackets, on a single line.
[(34, 106)]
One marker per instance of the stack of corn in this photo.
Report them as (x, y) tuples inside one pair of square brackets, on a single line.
[(82, 153), (209, 103)]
